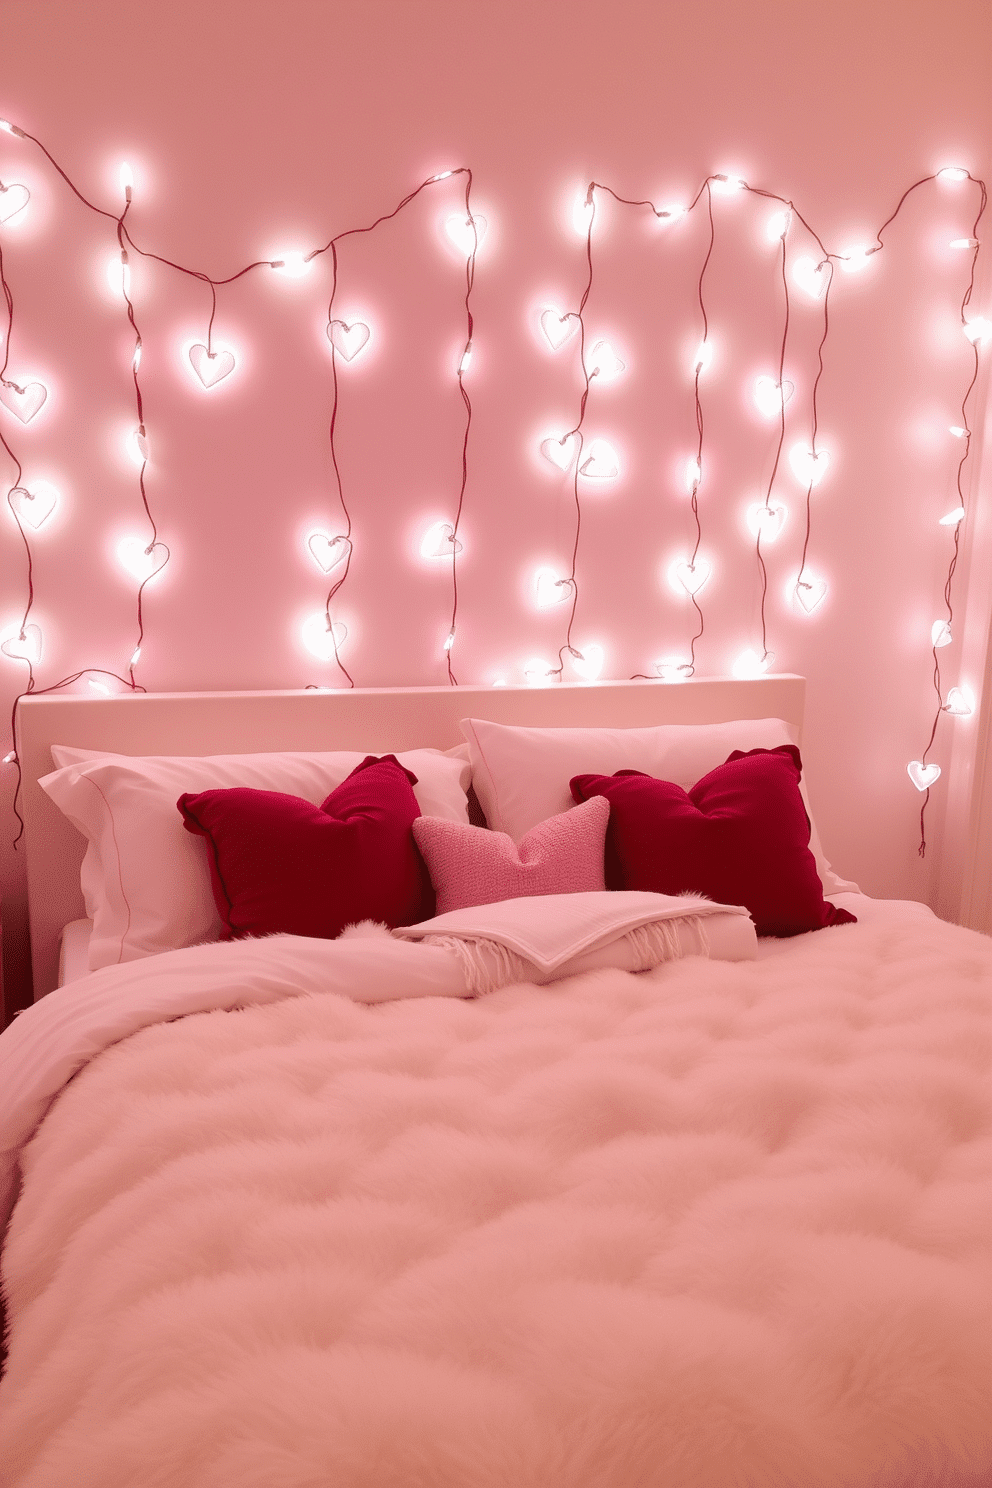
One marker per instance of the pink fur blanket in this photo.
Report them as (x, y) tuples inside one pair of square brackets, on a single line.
[(712, 1226)]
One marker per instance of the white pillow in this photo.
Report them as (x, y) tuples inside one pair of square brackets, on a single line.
[(145, 879), (521, 775)]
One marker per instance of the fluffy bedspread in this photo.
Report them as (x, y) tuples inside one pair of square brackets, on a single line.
[(711, 1226)]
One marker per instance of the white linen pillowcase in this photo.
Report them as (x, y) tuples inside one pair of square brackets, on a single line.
[(145, 879), (521, 775)]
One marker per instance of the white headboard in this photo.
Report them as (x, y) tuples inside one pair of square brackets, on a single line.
[(374, 720)]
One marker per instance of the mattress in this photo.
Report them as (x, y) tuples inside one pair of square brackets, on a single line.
[(714, 1224)]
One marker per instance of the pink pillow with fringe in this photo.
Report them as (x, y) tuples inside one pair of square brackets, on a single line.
[(470, 865)]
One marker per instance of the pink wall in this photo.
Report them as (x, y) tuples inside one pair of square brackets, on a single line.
[(252, 128)]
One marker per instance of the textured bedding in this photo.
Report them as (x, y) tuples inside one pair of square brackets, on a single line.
[(710, 1226)]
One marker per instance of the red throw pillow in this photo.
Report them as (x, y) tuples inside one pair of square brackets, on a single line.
[(740, 835), (281, 864)]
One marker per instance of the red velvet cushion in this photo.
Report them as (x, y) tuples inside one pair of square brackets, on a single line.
[(740, 836), (279, 863)]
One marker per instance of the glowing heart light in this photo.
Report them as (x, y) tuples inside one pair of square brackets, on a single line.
[(439, 541), (767, 520), (770, 397), (558, 328), (23, 399), (960, 702), (588, 661), (119, 276), (953, 517), (693, 474), (604, 362), (809, 593), (23, 643), (142, 560), (601, 463), (673, 669), (688, 576), (137, 446), (328, 552), (561, 452), (855, 259), (538, 672), (778, 225), (13, 199), (977, 330), (808, 466), (348, 340), (322, 639), (466, 233), (940, 634), (583, 214), (33, 505), (923, 776), (752, 663), (811, 276), (550, 589), (211, 367)]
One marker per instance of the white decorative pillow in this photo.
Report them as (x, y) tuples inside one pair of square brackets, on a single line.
[(521, 775), (145, 879)]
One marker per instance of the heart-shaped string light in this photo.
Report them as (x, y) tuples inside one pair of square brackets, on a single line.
[(561, 452), (940, 634), (693, 474), (439, 541), (13, 199), (811, 276), (808, 466), (582, 214), (211, 367), (550, 589), (137, 446), (321, 639), (604, 363), (24, 399), (348, 339), (752, 664), (960, 702), (770, 397), (460, 230), (328, 552), (673, 669), (601, 463), (778, 226), (34, 504), (558, 327), (689, 576), (923, 776), (141, 559), (978, 329), (587, 661), (766, 519), (23, 643), (809, 593)]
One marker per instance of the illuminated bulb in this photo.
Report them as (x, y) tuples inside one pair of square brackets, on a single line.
[(292, 265), (13, 199), (22, 643), (135, 656), (770, 397), (923, 776), (9, 759), (466, 233), (449, 640), (587, 662), (211, 367), (750, 664), (808, 466), (673, 669), (142, 560), (952, 173), (809, 593), (561, 452), (778, 225), (100, 687), (601, 463), (963, 243), (538, 672), (136, 359), (957, 431), (328, 552), (703, 357), (499, 681), (439, 541), (689, 578), (953, 517), (443, 176), (604, 362), (6, 125), (321, 638), (940, 634), (673, 211), (34, 504), (466, 360), (558, 327), (23, 399), (693, 474), (126, 180), (766, 519), (549, 589), (855, 259), (724, 185), (582, 216), (119, 275), (137, 445), (811, 275), (978, 329), (960, 702)]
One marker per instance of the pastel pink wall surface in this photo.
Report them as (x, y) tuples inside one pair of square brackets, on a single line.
[(255, 128)]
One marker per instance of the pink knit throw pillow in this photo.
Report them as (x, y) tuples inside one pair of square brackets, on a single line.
[(470, 865)]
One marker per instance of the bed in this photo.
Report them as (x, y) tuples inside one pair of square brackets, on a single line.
[(614, 1194)]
